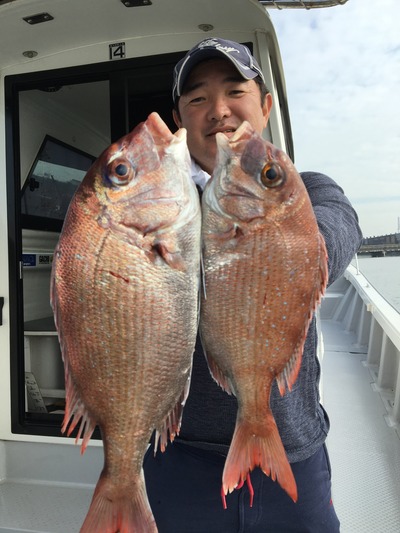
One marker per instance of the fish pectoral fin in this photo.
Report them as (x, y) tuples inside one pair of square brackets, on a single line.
[(226, 232), (161, 251)]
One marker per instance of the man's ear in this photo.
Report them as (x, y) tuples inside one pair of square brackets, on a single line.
[(176, 118), (266, 108)]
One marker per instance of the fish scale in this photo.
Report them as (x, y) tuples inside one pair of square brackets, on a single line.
[(265, 269)]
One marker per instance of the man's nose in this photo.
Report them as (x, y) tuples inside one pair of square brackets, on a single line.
[(219, 109)]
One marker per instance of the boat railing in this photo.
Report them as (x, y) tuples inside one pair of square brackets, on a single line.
[(354, 303)]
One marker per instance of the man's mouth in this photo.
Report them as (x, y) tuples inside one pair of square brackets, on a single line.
[(226, 131)]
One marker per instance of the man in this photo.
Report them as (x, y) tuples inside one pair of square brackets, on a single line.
[(217, 85)]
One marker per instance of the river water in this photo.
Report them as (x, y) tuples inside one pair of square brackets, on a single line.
[(383, 273)]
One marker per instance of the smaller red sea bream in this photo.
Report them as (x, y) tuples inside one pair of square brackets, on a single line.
[(265, 269)]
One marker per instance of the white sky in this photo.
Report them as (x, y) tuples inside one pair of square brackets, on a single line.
[(342, 67)]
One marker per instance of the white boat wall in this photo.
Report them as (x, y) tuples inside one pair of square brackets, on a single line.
[(359, 308), (361, 392), (74, 76)]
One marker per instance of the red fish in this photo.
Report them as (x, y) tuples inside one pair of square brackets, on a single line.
[(125, 298), (265, 269)]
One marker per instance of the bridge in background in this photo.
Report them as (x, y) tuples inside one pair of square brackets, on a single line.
[(382, 245)]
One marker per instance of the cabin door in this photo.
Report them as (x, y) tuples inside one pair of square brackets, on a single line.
[(59, 122)]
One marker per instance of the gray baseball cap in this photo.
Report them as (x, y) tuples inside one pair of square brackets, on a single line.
[(237, 53)]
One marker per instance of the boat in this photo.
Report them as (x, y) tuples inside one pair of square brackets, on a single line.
[(76, 76)]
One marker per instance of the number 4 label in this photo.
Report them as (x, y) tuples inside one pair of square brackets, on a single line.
[(117, 50)]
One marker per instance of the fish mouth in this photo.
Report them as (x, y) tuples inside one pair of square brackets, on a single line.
[(147, 197), (154, 194), (240, 192), (217, 195), (155, 199)]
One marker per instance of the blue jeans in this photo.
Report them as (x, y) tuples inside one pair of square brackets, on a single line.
[(184, 484)]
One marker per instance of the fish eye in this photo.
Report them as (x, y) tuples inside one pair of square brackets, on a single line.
[(120, 172), (272, 175)]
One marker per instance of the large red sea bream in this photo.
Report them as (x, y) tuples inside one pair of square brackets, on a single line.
[(125, 298)]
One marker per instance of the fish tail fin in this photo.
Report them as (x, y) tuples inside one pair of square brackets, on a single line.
[(253, 446), (111, 512)]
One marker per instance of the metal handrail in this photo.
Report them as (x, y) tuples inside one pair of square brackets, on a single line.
[(302, 4)]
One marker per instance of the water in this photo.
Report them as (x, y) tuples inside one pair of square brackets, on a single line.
[(383, 273)]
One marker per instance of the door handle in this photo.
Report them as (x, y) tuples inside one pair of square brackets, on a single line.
[(1, 310)]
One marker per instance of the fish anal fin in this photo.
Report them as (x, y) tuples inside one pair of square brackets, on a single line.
[(171, 425), (110, 512), (253, 445), (218, 375), (76, 412)]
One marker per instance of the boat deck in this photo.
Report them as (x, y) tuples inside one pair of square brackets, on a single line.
[(364, 452)]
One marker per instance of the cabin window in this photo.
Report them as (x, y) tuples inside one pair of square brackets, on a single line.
[(57, 123), (55, 175)]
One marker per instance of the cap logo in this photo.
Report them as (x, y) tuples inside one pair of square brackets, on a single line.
[(215, 44)]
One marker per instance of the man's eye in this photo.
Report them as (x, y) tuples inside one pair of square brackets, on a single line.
[(197, 100)]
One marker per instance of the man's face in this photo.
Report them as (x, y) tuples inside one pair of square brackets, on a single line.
[(218, 99)]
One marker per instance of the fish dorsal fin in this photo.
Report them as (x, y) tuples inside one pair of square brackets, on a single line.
[(75, 410), (288, 376)]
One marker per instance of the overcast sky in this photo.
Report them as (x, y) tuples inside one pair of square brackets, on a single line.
[(342, 68)]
